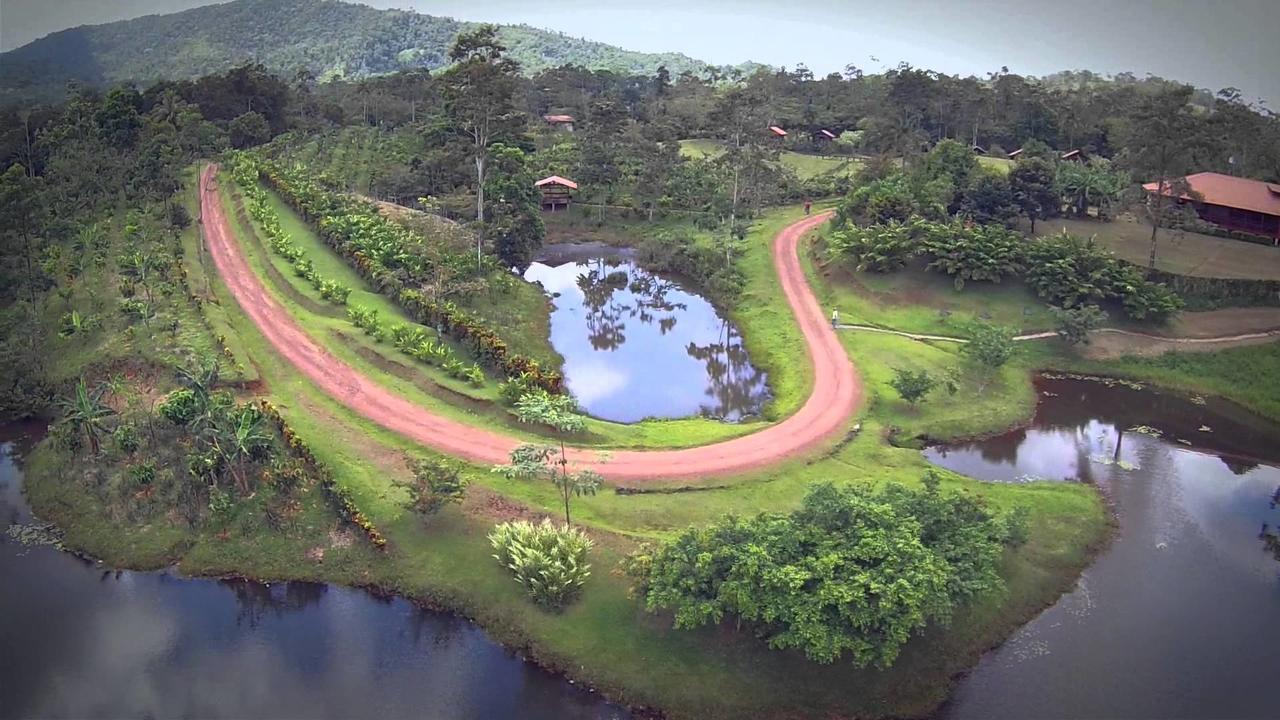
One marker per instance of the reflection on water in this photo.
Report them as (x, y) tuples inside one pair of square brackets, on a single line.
[(637, 345), (78, 641), (1180, 615)]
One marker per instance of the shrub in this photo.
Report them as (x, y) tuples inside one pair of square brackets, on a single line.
[(549, 561), (972, 252), (180, 406), (851, 572), (435, 484), (126, 438), (142, 474), (911, 385), (878, 248), (1074, 323)]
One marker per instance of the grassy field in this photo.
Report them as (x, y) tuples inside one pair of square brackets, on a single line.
[(1177, 251), (1004, 165), (804, 165)]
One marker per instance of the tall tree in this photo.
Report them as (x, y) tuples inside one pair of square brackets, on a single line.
[(478, 93), (1031, 181), (1161, 139)]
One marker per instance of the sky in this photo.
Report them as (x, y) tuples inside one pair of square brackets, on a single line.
[(1208, 43)]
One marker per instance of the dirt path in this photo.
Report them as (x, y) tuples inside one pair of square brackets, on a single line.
[(837, 390)]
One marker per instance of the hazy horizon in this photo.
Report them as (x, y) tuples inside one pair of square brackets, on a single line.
[(1210, 45)]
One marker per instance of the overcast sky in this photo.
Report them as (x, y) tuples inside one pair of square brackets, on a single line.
[(1208, 43)]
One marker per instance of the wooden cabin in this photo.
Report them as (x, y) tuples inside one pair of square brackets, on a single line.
[(824, 136), (1073, 156), (1233, 203), (1015, 154), (778, 132), (563, 123), (557, 192)]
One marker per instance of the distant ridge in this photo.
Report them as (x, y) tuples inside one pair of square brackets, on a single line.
[(329, 38)]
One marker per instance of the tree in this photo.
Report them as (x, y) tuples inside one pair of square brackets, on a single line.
[(851, 572), (1031, 182), (912, 385), (435, 484), (990, 345), (988, 198), (477, 92), (515, 218), (237, 438), (1162, 136), (1074, 323), (248, 129), (539, 461), (86, 412)]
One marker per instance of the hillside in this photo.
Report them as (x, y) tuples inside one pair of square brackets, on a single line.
[(331, 39)]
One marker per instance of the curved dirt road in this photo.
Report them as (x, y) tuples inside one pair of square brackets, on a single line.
[(837, 391)]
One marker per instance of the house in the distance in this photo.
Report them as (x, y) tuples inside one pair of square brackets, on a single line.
[(563, 123), (1073, 156), (557, 192), (1015, 154), (778, 132), (824, 136), (1234, 203)]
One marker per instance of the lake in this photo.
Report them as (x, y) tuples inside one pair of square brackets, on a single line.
[(637, 345), (79, 640), (1180, 615)]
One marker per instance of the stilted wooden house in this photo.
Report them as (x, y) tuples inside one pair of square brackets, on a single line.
[(557, 192)]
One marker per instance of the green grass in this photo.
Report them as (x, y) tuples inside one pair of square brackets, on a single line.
[(1003, 165), (804, 165)]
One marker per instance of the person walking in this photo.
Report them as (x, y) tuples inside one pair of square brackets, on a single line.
[(808, 205), (835, 319)]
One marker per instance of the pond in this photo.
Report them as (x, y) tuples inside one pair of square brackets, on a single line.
[(78, 640), (637, 345), (1180, 615)]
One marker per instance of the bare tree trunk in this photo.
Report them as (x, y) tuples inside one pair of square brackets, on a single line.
[(1156, 215)]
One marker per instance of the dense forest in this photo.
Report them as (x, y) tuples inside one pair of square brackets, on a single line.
[(327, 39)]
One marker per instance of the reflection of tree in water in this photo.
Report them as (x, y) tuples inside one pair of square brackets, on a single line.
[(255, 600), (649, 293), (605, 326), (737, 387), (1270, 534)]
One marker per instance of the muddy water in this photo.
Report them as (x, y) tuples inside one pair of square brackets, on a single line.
[(79, 641), (637, 345), (1180, 616)]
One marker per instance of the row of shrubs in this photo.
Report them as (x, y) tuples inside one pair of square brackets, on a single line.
[(413, 340), (394, 261), (245, 174), (339, 495), (1062, 269)]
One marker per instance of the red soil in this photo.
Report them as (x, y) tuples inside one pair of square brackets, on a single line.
[(837, 391)]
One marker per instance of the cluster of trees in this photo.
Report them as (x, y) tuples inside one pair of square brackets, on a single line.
[(853, 572)]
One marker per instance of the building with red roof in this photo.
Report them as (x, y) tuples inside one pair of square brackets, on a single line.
[(559, 122), (1235, 203), (777, 131)]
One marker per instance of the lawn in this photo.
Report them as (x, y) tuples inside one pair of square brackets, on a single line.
[(804, 165), (1177, 251)]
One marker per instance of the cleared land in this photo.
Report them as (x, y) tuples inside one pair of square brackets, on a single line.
[(804, 165), (1177, 251)]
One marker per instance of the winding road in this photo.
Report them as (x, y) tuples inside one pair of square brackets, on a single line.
[(837, 391)]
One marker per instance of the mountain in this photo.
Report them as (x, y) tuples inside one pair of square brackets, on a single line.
[(329, 38)]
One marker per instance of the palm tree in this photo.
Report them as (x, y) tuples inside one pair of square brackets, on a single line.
[(87, 412)]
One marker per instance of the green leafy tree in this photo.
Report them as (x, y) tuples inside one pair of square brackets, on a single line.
[(912, 385), (988, 198), (515, 218), (1074, 324), (248, 129), (991, 346), (237, 438), (435, 484), (87, 413), (540, 461), (478, 91), (883, 247), (1031, 183)]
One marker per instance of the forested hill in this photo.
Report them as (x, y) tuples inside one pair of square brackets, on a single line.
[(330, 39)]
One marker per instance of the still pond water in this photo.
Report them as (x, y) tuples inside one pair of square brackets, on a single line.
[(79, 641), (638, 346), (1180, 616)]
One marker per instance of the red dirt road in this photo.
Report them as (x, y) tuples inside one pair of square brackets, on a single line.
[(837, 391)]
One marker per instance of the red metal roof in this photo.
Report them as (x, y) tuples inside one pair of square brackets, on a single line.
[(777, 131), (557, 180), (1015, 153), (1071, 154), (828, 133), (1230, 191), (558, 118)]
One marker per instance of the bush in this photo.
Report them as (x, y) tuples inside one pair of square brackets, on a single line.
[(435, 484), (549, 561), (878, 248), (911, 385), (1068, 271), (126, 438), (180, 407), (1074, 323), (852, 571), (972, 252)]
